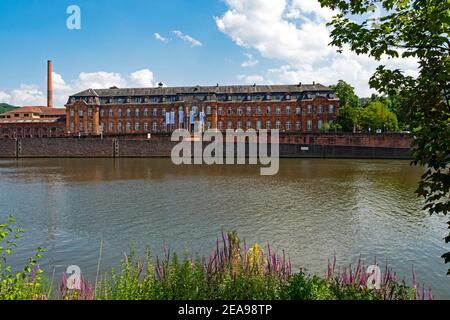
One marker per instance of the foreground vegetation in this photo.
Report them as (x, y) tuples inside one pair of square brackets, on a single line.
[(233, 271)]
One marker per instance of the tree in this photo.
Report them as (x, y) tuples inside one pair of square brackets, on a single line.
[(418, 29), (378, 116), (349, 111)]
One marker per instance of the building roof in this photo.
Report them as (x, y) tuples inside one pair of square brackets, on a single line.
[(40, 110), (242, 89)]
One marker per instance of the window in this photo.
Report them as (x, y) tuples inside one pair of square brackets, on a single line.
[(154, 126), (111, 112), (309, 109), (249, 111), (298, 125), (137, 126), (219, 111), (288, 126), (258, 125), (102, 113), (288, 110), (298, 110), (277, 110), (268, 125), (258, 110), (320, 109), (268, 109), (330, 108), (145, 112), (90, 127), (119, 127), (230, 125), (208, 110), (145, 127), (239, 111), (155, 112), (120, 112), (81, 126), (128, 112), (164, 112), (72, 113), (249, 124), (137, 112), (111, 127), (208, 125), (278, 124), (220, 125), (80, 112), (72, 126), (320, 124), (309, 125), (128, 126), (89, 112), (230, 111), (239, 125)]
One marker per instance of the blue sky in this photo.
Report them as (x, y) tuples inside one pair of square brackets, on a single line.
[(242, 41)]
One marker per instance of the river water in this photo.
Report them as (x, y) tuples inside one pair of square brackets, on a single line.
[(313, 209)]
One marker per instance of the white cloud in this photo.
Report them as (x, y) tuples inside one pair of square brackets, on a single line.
[(193, 42), (143, 78), (295, 33), (4, 97), (160, 38), (28, 94), (250, 79), (100, 79), (31, 95), (250, 62)]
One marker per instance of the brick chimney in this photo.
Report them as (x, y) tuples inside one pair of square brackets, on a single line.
[(49, 84)]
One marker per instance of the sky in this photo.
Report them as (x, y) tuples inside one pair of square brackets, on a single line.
[(140, 43)]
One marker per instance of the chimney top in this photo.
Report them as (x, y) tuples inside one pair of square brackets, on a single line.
[(49, 84)]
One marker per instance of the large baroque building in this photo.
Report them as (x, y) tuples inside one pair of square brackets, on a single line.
[(300, 108)]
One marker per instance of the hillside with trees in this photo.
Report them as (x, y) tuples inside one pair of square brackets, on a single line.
[(4, 107)]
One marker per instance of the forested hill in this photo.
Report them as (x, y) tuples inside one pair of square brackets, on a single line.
[(4, 107)]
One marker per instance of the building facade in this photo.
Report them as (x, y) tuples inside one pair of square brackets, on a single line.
[(33, 122), (289, 108)]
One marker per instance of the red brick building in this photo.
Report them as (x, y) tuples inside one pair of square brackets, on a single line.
[(35, 121), (289, 108)]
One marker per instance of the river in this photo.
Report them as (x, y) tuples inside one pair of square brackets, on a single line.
[(313, 209)]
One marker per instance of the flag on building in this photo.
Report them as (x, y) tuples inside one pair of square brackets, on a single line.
[(167, 117), (202, 117), (172, 117), (181, 116), (192, 117)]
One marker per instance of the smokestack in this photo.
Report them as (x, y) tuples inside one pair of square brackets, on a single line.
[(49, 84)]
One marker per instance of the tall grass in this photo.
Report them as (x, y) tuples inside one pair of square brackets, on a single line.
[(233, 271)]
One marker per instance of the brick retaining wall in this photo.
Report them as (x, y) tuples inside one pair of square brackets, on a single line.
[(318, 146)]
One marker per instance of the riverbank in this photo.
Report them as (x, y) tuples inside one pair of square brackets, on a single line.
[(233, 271), (354, 146)]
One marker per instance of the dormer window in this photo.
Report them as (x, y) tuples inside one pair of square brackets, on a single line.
[(268, 97), (288, 97)]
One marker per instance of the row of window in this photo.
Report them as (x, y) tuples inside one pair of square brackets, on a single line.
[(111, 127), (230, 111), (202, 97)]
